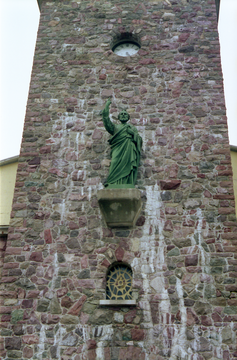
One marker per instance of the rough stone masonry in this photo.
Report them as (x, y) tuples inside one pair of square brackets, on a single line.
[(183, 249)]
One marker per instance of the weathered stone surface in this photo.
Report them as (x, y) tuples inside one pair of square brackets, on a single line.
[(137, 334), (202, 308), (69, 319), (55, 306), (28, 352), (182, 249), (43, 305), (70, 340), (13, 343), (100, 317), (53, 351), (17, 315)]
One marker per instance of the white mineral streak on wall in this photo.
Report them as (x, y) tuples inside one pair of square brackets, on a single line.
[(179, 340), (42, 341), (142, 132), (151, 262), (204, 256), (58, 340), (62, 205), (81, 103), (155, 75), (56, 268), (106, 332)]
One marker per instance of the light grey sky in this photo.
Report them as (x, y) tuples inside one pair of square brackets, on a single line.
[(18, 29)]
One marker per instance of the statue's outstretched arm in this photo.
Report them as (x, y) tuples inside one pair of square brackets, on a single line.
[(106, 120)]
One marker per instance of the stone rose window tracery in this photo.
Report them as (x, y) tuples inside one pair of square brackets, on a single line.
[(119, 283)]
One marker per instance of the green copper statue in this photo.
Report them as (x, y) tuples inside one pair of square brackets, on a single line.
[(126, 146)]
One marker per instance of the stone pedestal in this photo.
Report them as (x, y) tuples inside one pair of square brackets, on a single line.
[(120, 207)]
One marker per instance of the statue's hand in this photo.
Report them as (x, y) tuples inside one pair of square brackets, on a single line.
[(105, 112), (106, 120), (108, 102)]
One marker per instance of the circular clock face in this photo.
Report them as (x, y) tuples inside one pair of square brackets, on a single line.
[(126, 48)]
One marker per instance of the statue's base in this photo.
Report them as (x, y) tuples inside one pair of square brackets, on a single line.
[(120, 207)]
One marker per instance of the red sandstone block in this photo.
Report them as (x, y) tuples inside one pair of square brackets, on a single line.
[(33, 294), (231, 287), (233, 274), (91, 354), (168, 225), (194, 269), (105, 263), (229, 236), (85, 283), (226, 211), (26, 304), (5, 309), (232, 302), (137, 334), (10, 265), (13, 343), (30, 339), (225, 173), (48, 236), (6, 318), (36, 256), (18, 206), (221, 151), (223, 197), (45, 149), (231, 249), (62, 292), (8, 279), (129, 317), (29, 154), (91, 344), (84, 262), (8, 294), (14, 236), (76, 308), (70, 351), (147, 61), (13, 251), (107, 353), (72, 225), (119, 253), (3, 354), (28, 352), (226, 184)]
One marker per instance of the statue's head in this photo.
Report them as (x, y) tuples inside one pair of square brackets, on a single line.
[(123, 116)]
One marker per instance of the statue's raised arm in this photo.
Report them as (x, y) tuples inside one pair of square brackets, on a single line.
[(106, 120), (126, 146)]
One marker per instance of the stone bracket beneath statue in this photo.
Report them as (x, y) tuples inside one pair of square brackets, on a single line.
[(120, 207)]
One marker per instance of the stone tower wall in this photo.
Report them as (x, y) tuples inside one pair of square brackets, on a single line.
[(182, 250)]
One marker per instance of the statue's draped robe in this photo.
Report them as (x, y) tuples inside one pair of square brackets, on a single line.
[(125, 152)]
